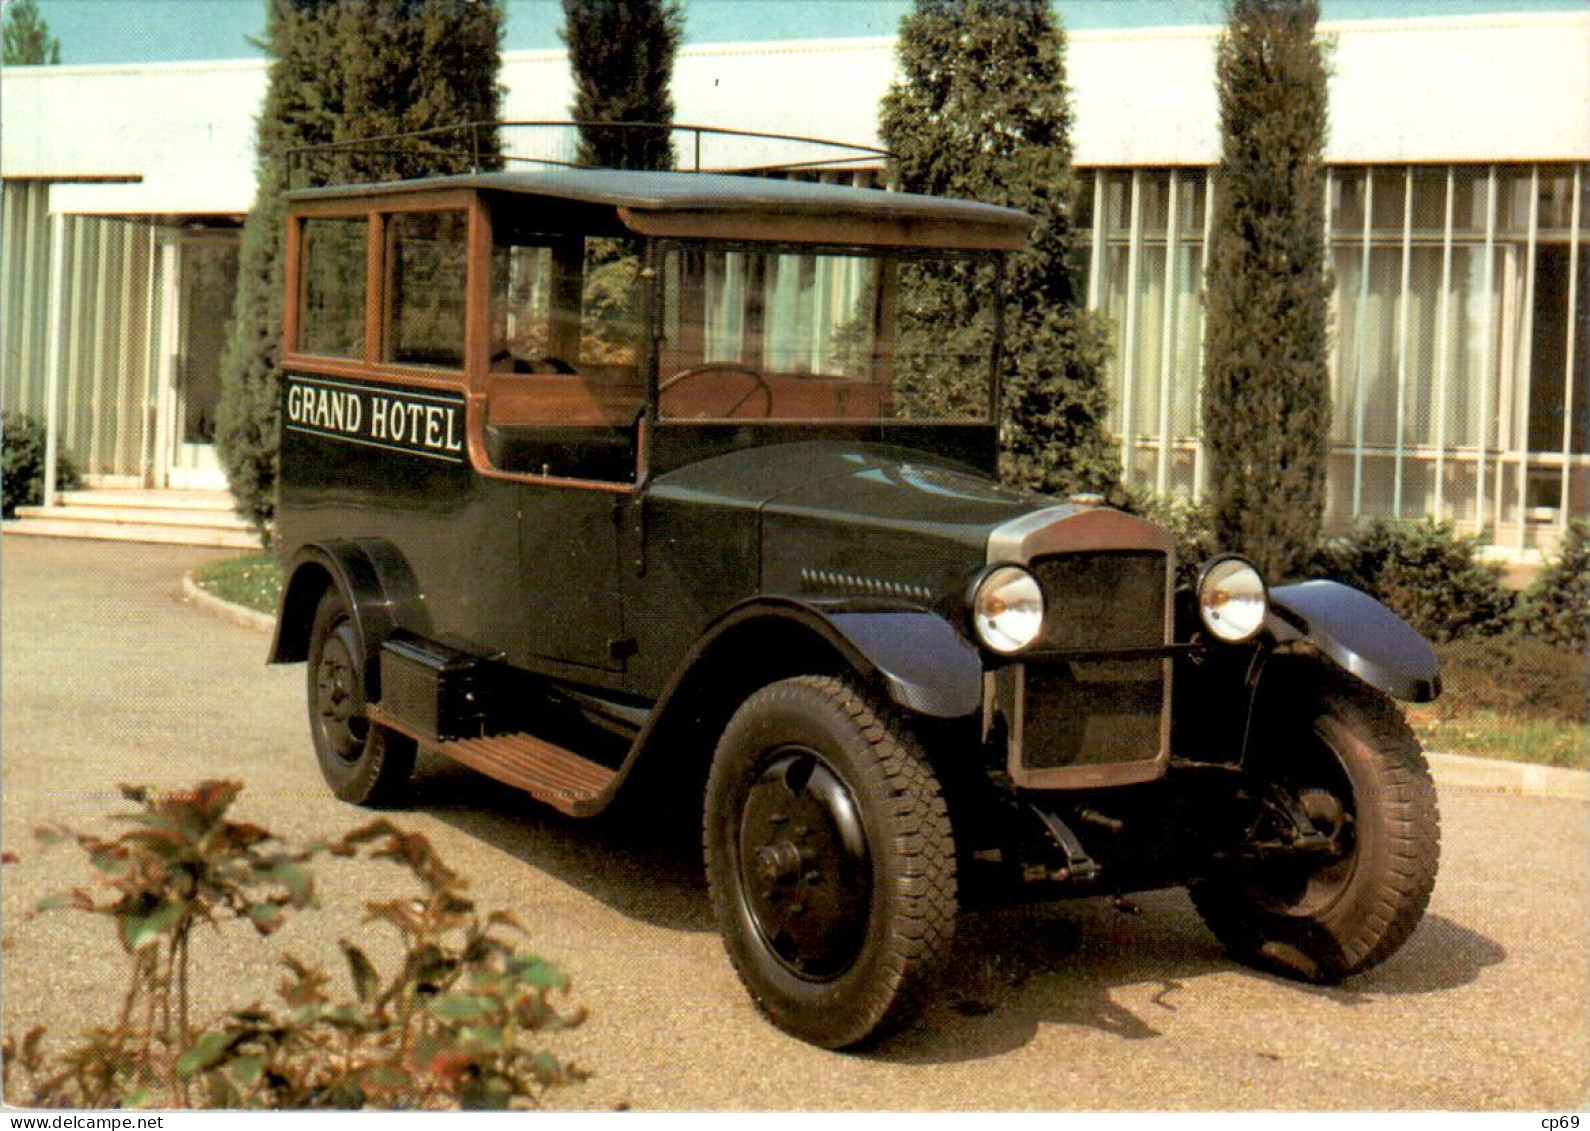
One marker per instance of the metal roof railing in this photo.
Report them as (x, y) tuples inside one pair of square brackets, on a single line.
[(491, 145)]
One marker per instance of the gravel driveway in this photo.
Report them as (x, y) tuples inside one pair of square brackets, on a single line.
[(110, 677)]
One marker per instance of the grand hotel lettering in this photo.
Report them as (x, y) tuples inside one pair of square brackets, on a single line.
[(424, 424)]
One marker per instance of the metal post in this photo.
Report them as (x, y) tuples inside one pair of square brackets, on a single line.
[(1167, 342), (1134, 242), (1575, 219), (53, 332), (1489, 369), (1527, 341), (1443, 345), (1359, 349), (1200, 460), (1403, 303)]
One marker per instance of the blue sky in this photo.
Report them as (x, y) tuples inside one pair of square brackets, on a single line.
[(112, 31)]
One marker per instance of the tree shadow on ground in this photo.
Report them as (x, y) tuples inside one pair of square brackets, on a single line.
[(1015, 970), (1011, 970), (645, 865)]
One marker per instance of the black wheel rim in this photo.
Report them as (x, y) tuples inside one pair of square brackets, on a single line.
[(1325, 794), (339, 695), (804, 867)]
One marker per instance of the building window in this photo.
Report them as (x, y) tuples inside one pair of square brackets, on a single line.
[(1460, 374)]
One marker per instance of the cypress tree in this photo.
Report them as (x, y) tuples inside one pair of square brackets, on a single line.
[(1266, 397), (622, 55), (27, 38), (981, 111), (342, 70)]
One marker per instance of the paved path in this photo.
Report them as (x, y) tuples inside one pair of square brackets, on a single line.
[(109, 676)]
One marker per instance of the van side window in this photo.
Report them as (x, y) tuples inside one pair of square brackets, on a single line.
[(566, 387), (426, 267), (331, 318)]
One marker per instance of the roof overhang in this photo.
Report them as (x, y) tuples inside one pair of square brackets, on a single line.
[(726, 207)]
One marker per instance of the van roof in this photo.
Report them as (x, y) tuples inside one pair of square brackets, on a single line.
[(725, 206)]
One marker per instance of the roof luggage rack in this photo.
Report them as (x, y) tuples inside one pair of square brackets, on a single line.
[(471, 147)]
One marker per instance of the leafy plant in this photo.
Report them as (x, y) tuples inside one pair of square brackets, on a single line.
[(1192, 525), (22, 464), (455, 1024), (1556, 608), (1426, 573), (1513, 676)]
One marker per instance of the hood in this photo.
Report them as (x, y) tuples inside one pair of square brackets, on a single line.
[(859, 520), (870, 485)]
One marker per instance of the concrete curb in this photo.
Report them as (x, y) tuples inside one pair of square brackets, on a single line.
[(1460, 771), (237, 614), (1451, 771)]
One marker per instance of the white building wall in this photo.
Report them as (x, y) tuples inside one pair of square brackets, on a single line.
[(1483, 88), (1410, 91), (186, 130)]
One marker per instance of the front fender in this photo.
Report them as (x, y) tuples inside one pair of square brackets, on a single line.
[(913, 655), (1359, 634), (927, 666)]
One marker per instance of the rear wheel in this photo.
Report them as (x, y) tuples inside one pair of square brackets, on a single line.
[(830, 860), (363, 763), (1349, 762)]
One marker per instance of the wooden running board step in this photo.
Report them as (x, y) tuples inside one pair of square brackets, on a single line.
[(551, 774)]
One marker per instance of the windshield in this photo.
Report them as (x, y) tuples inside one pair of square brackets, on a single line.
[(778, 333)]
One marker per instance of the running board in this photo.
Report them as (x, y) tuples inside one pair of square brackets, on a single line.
[(552, 775)]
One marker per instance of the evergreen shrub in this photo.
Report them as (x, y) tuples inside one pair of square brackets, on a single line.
[(22, 471), (1556, 608), (622, 55), (1266, 390), (1425, 572), (981, 111), (1513, 676)]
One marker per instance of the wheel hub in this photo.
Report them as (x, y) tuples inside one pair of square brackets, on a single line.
[(805, 868), (338, 702)]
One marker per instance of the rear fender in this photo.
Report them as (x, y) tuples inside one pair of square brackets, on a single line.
[(1359, 634), (373, 577)]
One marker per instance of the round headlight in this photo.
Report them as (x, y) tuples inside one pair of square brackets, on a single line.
[(1232, 599), (1007, 609)]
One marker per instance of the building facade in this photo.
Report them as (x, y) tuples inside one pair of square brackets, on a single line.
[(1457, 202)]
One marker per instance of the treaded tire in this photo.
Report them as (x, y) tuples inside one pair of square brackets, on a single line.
[(864, 969), (363, 763), (1344, 918)]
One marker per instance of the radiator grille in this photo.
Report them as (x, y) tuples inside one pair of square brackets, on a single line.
[(1097, 711), (1103, 601)]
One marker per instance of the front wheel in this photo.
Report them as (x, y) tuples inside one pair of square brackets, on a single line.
[(1348, 760), (363, 763), (830, 860)]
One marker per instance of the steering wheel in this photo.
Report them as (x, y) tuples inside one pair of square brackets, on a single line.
[(542, 363), (759, 382)]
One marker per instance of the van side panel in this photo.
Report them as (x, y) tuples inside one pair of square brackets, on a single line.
[(368, 459)]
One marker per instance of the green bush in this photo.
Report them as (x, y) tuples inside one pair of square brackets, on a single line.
[(1189, 522), (1513, 676), (1432, 577), (1556, 608), (22, 465), (456, 1024)]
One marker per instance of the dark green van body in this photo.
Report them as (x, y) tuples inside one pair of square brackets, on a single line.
[(613, 626)]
